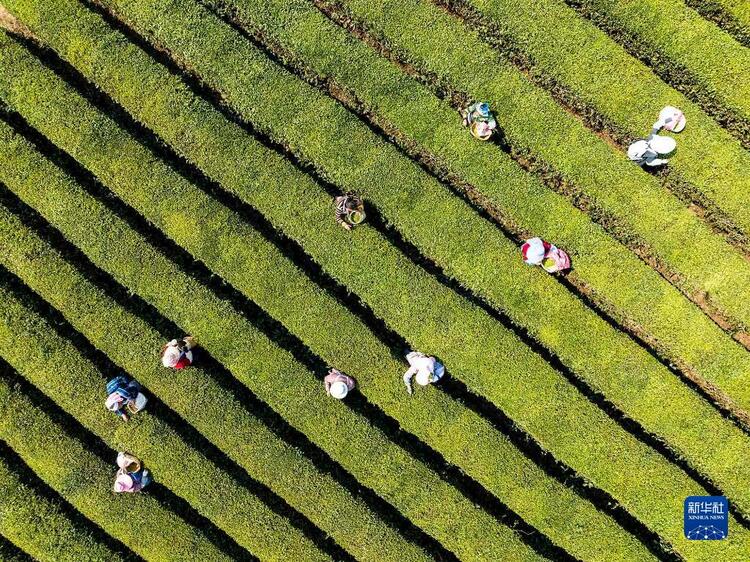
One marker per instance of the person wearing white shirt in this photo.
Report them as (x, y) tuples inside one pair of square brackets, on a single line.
[(427, 370)]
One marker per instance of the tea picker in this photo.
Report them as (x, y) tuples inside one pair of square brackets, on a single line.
[(480, 120), (428, 370), (124, 397), (536, 251), (338, 384), (670, 119), (131, 477), (178, 354), (652, 151), (350, 210)]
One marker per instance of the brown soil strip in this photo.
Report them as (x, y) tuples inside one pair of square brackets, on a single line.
[(10, 23)]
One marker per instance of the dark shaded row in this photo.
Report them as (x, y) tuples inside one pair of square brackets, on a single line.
[(352, 302), (715, 12), (99, 448), (474, 198)]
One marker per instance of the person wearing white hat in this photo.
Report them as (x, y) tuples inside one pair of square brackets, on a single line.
[(648, 152), (480, 120), (131, 477), (651, 150), (536, 251), (428, 370), (124, 396), (177, 354), (338, 384), (670, 119)]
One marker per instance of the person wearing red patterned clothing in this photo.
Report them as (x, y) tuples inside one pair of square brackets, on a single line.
[(177, 354), (539, 252)]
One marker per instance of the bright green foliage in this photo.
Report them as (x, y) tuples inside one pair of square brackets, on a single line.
[(38, 525), (573, 410), (478, 349), (9, 552), (31, 347), (636, 292), (258, 363), (719, 63), (197, 396), (636, 198), (252, 264), (85, 481)]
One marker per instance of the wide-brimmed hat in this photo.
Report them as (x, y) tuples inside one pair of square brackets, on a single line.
[(339, 390), (170, 357), (677, 120), (113, 402), (533, 251), (662, 144), (123, 482)]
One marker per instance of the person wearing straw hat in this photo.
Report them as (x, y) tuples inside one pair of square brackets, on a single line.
[(131, 477), (536, 251), (178, 354), (338, 384), (350, 210), (124, 397), (427, 370), (480, 120)]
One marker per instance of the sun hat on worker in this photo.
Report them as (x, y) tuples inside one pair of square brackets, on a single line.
[(672, 119), (339, 390), (171, 356), (662, 145), (533, 251), (124, 482), (113, 402)]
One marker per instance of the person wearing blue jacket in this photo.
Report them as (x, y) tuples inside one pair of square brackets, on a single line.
[(124, 396)]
